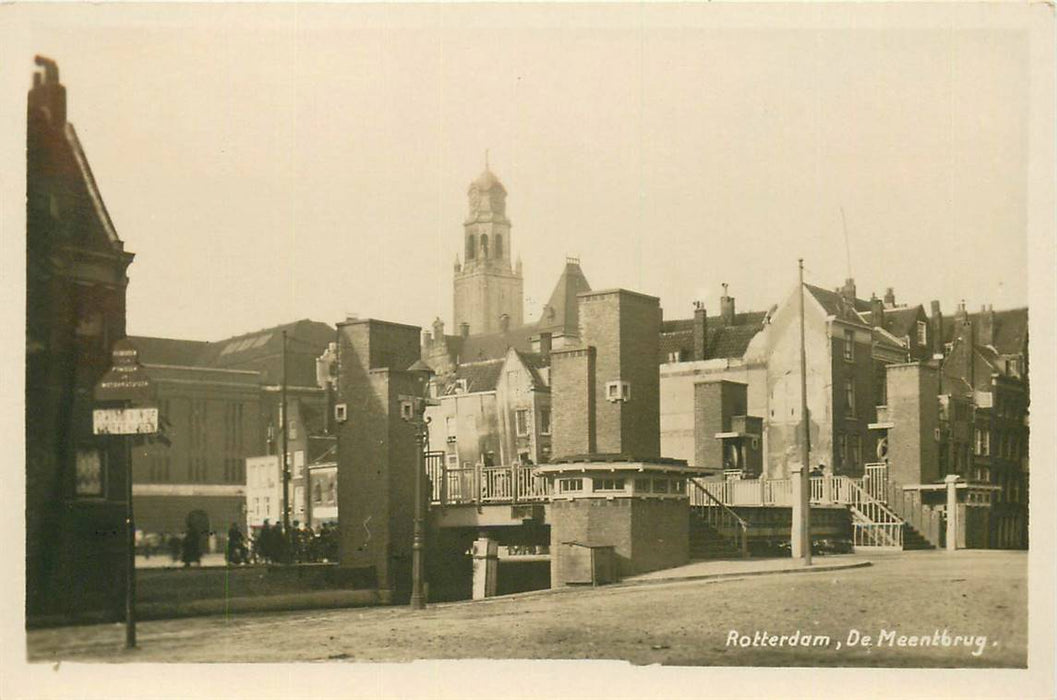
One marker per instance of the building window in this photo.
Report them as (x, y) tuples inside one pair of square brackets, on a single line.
[(471, 247), (642, 485), (881, 388), (609, 484), (923, 333), (521, 421), (660, 486), (983, 441), (570, 485), (618, 391), (849, 345), (854, 452), (849, 395), (449, 426), (842, 451), (89, 472), (484, 246), (545, 421)]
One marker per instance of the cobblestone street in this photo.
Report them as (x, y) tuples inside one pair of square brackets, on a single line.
[(972, 594)]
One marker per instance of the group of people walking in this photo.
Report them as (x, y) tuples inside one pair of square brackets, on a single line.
[(267, 544), (305, 544)]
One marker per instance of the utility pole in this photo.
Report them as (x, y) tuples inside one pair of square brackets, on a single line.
[(801, 479), (284, 449), (130, 531)]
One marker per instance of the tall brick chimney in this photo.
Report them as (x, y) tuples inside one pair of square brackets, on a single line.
[(700, 330), (48, 96), (546, 343), (605, 394), (985, 333), (847, 292), (890, 298), (726, 308), (936, 321), (877, 310), (438, 330)]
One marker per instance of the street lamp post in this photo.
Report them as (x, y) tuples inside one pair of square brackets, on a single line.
[(413, 410)]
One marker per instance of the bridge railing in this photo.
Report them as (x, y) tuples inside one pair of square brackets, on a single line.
[(480, 484)]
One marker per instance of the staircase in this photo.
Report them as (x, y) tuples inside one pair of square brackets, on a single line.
[(716, 531), (706, 542), (913, 539)]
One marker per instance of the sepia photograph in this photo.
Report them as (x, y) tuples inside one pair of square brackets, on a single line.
[(608, 350)]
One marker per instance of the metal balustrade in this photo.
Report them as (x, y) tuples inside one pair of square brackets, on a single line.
[(719, 517), (485, 485), (873, 523)]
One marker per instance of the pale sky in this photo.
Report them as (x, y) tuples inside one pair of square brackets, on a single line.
[(269, 164)]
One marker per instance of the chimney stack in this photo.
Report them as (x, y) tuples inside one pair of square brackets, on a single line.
[(546, 343), (700, 330), (605, 393), (986, 326), (438, 330), (890, 298), (48, 96), (464, 329), (936, 320), (877, 311), (847, 292), (726, 308)]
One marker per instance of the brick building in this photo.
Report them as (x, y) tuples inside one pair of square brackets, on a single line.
[(220, 402), (611, 488), (493, 412), (849, 341), (984, 383), (75, 310), (377, 452)]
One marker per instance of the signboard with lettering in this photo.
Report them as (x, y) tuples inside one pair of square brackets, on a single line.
[(126, 380), (125, 421)]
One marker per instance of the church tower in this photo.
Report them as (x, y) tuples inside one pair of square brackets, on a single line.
[(488, 290)]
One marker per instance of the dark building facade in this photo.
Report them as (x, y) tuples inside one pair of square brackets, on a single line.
[(377, 454), (220, 403), (76, 279)]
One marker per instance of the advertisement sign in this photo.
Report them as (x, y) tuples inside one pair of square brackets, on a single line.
[(125, 421)]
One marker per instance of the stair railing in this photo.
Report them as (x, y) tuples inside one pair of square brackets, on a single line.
[(875, 523), (718, 516)]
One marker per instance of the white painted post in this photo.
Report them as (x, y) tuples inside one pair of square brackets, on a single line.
[(485, 567), (952, 511)]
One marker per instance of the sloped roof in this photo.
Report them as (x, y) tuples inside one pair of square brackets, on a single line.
[(479, 376), (168, 351), (534, 362), (304, 335), (562, 311), (491, 346), (721, 341), (834, 304), (1010, 329), (900, 322)]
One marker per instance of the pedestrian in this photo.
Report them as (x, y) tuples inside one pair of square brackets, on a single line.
[(192, 547), (175, 547), (235, 545)]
